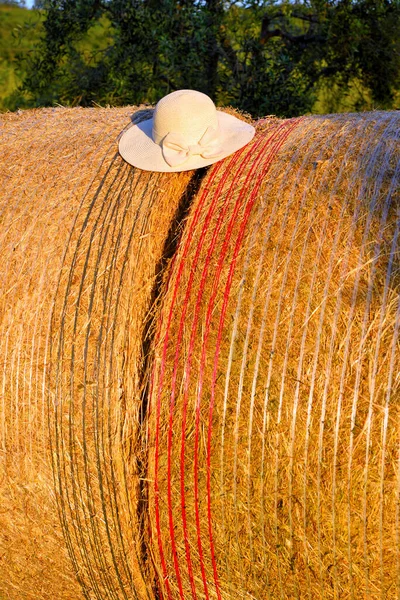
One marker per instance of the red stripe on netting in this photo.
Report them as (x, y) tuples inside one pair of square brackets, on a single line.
[(171, 413), (274, 150), (208, 321), (158, 404), (180, 268), (186, 375), (161, 377), (208, 258)]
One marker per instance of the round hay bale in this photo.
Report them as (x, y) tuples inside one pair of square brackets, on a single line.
[(82, 239), (273, 452), (217, 420)]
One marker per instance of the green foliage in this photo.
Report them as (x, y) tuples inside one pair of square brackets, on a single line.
[(354, 41), (21, 33), (68, 65), (17, 34), (263, 56)]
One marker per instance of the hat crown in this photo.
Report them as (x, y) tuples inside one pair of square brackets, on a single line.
[(185, 112)]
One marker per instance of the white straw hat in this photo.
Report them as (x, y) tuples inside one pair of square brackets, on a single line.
[(186, 132)]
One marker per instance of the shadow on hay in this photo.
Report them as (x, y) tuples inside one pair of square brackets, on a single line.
[(149, 331)]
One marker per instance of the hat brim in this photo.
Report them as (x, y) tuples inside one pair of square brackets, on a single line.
[(137, 147)]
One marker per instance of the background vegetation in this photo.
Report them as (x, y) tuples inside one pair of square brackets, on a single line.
[(263, 56)]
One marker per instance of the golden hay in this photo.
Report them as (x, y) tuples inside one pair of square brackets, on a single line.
[(81, 236), (216, 421), (274, 436)]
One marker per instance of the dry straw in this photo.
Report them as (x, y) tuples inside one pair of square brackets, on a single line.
[(82, 235), (273, 450), (216, 420)]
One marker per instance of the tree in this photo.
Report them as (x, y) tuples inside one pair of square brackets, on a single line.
[(343, 40), (262, 56)]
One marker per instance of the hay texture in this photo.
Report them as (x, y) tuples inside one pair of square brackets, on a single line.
[(274, 435), (211, 419), (81, 237)]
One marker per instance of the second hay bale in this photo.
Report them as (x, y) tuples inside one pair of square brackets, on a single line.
[(273, 436)]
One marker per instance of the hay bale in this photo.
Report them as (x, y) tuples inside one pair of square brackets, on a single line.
[(216, 421), (273, 450), (82, 236)]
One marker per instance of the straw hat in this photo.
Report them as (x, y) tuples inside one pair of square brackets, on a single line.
[(186, 132)]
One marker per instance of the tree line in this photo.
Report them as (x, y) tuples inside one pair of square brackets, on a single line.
[(262, 56)]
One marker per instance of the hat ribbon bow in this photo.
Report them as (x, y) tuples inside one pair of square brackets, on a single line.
[(176, 151)]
